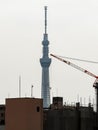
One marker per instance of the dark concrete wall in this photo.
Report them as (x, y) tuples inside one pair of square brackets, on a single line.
[(61, 120), (2, 115), (2, 127), (87, 119), (69, 119)]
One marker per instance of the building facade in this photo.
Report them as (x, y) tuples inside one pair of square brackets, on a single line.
[(24, 114), (77, 117)]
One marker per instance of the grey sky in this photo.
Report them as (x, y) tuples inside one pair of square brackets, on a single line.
[(72, 30)]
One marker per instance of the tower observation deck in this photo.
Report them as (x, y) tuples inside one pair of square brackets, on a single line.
[(45, 62)]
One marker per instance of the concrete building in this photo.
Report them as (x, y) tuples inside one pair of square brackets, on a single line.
[(24, 114), (2, 117), (77, 117), (2, 114)]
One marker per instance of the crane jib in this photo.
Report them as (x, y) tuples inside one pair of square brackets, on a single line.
[(75, 66)]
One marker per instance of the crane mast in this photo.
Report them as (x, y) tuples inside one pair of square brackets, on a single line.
[(95, 85)]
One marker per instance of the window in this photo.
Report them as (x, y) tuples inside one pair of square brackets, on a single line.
[(38, 108), (2, 114), (2, 122)]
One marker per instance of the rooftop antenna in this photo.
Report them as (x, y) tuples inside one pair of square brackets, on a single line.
[(45, 19), (89, 99), (8, 95), (93, 102), (19, 86), (57, 92), (25, 95), (81, 101), (78, 98), (32, 90), (84, 102)]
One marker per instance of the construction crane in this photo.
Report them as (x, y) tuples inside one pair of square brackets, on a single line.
[(77, 59), (95, 85)]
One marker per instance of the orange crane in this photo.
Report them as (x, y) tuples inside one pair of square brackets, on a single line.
[(95, 85)]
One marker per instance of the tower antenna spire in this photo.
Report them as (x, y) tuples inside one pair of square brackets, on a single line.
[(45, 19), (45, 63)]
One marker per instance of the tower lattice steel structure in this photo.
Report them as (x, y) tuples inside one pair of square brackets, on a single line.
[(45, 62)]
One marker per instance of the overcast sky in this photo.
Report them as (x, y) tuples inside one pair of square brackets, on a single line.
[(72, 32)]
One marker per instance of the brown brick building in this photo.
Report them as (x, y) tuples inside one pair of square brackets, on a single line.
[(24, 114)]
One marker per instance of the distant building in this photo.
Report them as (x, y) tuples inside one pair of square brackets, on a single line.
[(24, 114), (60, 117), (2, 114), (28, 114), (2, 117)]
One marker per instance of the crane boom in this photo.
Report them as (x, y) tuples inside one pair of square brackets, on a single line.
[(95, 85), (75, 66)]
